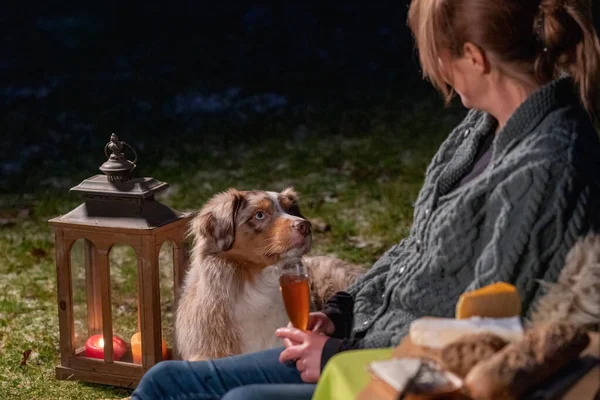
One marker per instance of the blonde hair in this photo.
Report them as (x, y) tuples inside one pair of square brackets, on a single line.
[(540, 39)]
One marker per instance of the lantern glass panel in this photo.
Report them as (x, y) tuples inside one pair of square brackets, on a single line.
[(167, 297), (124, 295), (78, 287)]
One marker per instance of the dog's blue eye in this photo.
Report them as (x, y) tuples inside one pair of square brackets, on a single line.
[(260, 215)]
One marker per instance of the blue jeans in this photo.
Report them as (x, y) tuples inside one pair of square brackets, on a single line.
[(248, 376)]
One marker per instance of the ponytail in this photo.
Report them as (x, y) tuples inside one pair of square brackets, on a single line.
[(569, 44)]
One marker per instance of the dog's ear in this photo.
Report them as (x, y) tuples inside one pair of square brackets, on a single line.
[(289, 201), (214, 226)]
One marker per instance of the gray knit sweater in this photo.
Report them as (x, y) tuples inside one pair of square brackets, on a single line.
[(515, 222)]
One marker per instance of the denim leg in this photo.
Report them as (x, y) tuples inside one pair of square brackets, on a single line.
[(210, 380), (290, 391)]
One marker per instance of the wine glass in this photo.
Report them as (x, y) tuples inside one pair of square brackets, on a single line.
[(293, 281)]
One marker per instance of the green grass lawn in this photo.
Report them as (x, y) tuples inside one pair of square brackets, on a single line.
[(362, 184)]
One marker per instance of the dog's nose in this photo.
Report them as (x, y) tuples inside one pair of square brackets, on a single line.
[(303, 226)]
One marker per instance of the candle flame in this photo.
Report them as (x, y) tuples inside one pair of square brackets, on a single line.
[(101, 342)]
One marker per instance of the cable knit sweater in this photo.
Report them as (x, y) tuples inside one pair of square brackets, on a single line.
[(514, 222)]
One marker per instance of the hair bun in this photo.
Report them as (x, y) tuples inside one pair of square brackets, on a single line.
[(569, 43), (550, 7), (556, 28)]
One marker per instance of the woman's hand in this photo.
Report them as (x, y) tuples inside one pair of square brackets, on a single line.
[(320, 322), (305, 348)]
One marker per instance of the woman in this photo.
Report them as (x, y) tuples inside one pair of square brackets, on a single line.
[(506, 196)]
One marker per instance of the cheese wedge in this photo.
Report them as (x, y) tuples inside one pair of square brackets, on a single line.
[(498, 300), (436, 333)]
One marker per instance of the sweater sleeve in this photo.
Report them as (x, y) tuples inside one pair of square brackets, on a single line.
[(339, 309)]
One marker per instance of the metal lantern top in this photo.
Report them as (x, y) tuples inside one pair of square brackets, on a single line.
[(116, 199), (117, 168)]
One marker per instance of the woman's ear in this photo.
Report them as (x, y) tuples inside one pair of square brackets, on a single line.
[(476, 58)]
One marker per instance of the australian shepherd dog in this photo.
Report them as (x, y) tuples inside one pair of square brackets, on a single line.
[(230, 301)]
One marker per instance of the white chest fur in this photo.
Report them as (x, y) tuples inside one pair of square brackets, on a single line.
[(259, 311)]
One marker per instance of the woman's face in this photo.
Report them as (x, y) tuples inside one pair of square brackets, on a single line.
[(466, 75)]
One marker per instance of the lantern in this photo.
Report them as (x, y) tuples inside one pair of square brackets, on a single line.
[(118, 209)]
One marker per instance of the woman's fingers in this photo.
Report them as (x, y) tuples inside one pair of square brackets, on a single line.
[(317, 325), (291, 353), (291, 336), (313, 318), (320, 322), (294, 334), (309, 376), (304, 377)]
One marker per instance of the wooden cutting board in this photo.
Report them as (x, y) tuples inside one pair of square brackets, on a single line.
[(406, 349), (379, 390), (585, 388)]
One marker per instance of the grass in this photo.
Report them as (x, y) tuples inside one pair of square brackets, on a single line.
[(361, 183)]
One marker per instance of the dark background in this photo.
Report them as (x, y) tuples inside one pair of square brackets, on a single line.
[(177, 75)]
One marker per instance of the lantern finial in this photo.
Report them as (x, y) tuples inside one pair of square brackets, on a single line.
[(117, 168)]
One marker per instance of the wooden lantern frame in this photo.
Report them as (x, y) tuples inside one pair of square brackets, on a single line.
[(116, 212)]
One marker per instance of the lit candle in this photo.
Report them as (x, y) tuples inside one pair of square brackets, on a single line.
[(94, 347), (136, 348)]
